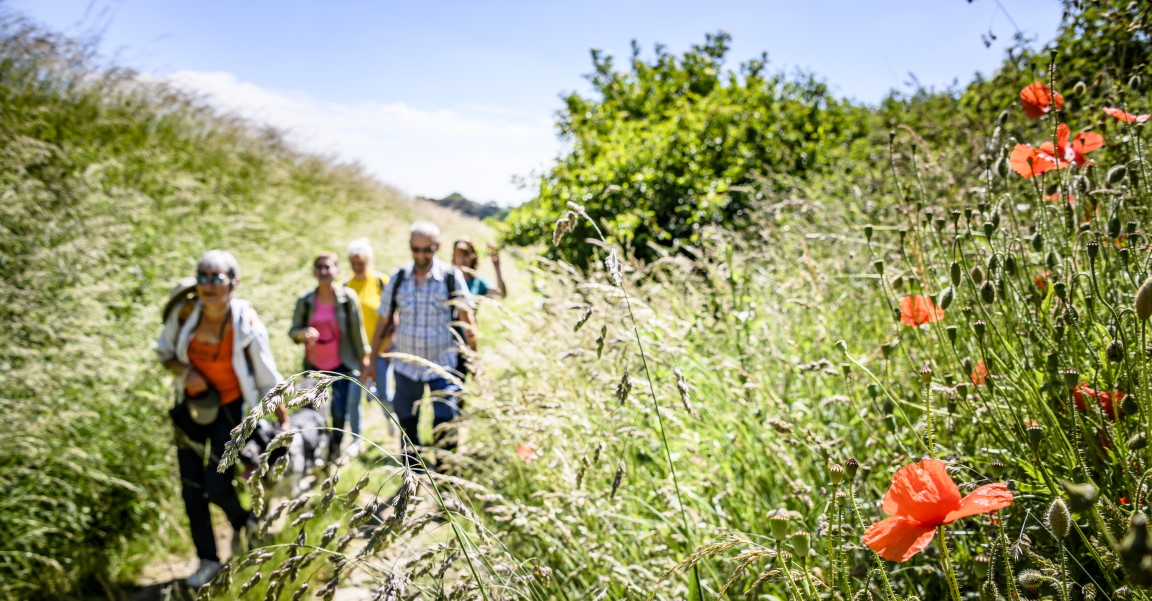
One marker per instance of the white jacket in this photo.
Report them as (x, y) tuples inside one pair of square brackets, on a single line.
[(247, 331)]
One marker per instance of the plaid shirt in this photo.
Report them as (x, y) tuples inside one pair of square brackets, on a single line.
[(425, 319)]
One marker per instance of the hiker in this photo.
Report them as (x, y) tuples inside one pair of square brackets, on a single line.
[(327, 321), (218, 348), (464, 256), (369, 286), (416, 311)]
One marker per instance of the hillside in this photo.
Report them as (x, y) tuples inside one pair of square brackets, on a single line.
[(113, 186)]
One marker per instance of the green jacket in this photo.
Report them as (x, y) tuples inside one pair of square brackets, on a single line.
[(353, 341)]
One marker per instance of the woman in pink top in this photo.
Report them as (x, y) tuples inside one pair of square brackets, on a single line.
[(328, 322)]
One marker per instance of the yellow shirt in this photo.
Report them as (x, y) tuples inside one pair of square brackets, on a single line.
[(368, 290)]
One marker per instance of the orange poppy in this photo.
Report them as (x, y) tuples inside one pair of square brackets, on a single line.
[(1042, 279), (1126, 117), (525, 452), (1106, 400), (922, 497), (1038, 100), (980, 373), (918, 309), (1029, 161)]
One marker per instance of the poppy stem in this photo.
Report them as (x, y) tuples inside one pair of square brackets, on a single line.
[(953, 587), (928, 416), (888, 594)]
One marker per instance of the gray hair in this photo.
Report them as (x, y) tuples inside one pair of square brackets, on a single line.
[(220, 259), (360, 247), (426, 229)]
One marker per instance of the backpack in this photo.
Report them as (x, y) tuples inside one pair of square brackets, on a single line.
[(182, 299), (453, 291)]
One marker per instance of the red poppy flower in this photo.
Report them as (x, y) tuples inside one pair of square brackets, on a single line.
[(525, 452), (1028, 161), (1106, 400), (1042, 280), (922, 497), (918, 309), (980, 373), (1126, 117), (1038, 100)]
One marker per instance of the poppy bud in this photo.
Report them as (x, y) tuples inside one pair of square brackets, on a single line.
[(1143, 304), (1037, 242), (1051, 260), (1003, 118), (1010, 265), (946, 296), (1113, 228), (989, 229), (1137, 441), (1059, 519), (1136, 83), (898, 282), (1129, 406), (846, 369), (1071, 315), (843, 346), (1071, 378), (1134, 551), (979, 326), (1123, 253), (993, 264), (873, 391), (835, 473), (977, 275), (801, 543), (1003, 168), (988, 292), (1115, 351), (962, 390), (1035, 434), (878, 265), (954, 273), (1080, 88), (1081, 497), (887, 407), (951, 332), (988, 590), (850, 468), (1061, 290), (1130, 227), (996, 468), (1093, 247), (1031, 579), (1052, 189), (868, 233), (966, 364)]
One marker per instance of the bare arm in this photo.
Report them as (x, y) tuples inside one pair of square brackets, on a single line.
[(469, 329), (500, 291)]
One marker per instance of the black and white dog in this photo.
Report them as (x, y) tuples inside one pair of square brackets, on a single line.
[(307, 450)]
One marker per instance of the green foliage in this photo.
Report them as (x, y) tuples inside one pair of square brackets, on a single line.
[(677, 143)]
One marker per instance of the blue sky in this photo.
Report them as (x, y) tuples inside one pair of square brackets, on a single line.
[(436, 97)]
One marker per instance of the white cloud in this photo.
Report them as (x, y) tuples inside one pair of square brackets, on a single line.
[(474, 150)]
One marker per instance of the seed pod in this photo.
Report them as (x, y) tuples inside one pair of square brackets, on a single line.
[(996, 467), (1093, 248), (993, 264), (979, 327), (951, 332), (868, 233), (1051, 260), (989, 229), (878, 265), (1129, 406), (1116, 175), (1035, 434), (1137, 441), (954, 273), (1059, 519), (1071, 378), (1143, 304), (1010, 265), (850, 468), (926, 374), (1114, 227), (898, 282), (835, 473), (988, 292), (1061, 290), (1115, 351), (946, 296), (778, 521), (1071, 315), (801, 543)]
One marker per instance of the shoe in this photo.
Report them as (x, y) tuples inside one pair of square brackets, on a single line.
[(242, 537), (205, 573), (355, 448)]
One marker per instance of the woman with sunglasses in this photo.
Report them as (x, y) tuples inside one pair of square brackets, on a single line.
[(327, 320), (218, 350), (464, 256)]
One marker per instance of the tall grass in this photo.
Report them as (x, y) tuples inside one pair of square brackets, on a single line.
[(112, 187)]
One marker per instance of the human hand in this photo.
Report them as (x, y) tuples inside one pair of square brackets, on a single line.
[(194, 383), (311, 335), (494, 254), (368, 372)]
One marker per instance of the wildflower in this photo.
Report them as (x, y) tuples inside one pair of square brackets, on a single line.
[(1106, 400), (918, 309), (922, 497), (1029, 161), (1042, 280), (1126, 117), (980, 373), (525, 452), (1039, 100)]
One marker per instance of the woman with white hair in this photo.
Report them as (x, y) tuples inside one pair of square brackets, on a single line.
[(369, 286), (220, 354)]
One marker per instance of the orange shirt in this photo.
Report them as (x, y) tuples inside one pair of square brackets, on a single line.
[(214, 361)]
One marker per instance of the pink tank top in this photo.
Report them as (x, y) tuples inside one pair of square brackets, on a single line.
[(324, 354)]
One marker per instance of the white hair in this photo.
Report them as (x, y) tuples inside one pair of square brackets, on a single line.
[(360, 247), (426, 229), (220, 259)]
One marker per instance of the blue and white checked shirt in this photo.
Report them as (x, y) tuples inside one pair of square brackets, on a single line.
[(425, 319)]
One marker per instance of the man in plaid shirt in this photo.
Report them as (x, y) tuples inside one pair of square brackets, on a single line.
[(415, 309)]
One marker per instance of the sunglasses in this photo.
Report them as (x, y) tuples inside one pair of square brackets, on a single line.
[(421, 249), (215, 279)]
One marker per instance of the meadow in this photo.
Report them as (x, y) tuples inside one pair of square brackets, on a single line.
[(917, 370)]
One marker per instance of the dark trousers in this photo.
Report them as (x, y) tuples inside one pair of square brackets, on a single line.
[(444, 406), (202, 484), (344, 392)]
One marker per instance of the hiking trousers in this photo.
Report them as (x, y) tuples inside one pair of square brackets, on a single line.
[(201, 484)]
